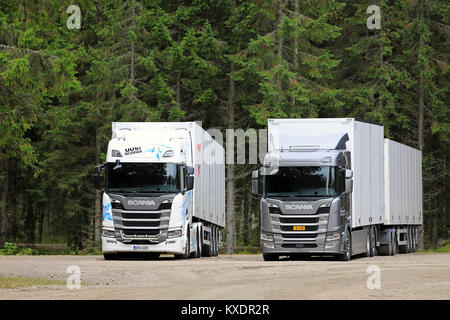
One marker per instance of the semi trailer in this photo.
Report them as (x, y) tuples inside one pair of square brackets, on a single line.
[(337, 187), (164, 190)]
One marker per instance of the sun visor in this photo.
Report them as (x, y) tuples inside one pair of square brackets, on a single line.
[(306, 143)]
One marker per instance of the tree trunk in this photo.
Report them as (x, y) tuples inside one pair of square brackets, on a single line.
[(246, 220), (4, 209), (295, 49), (98, 197), (30, 224), (230, 171), (178, 89), (420, 129)]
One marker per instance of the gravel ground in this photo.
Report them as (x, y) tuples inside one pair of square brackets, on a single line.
[(404, 276)]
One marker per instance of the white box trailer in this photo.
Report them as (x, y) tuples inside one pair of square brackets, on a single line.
[(365, 145), (336, 186), (403, 184), (184, 210)]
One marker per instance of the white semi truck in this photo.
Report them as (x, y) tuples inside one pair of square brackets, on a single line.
[(337, 187), (164, 190)]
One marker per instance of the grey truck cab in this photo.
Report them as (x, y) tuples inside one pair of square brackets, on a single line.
[(305, 205)]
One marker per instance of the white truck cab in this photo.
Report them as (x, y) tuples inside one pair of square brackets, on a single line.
[(150, 201)]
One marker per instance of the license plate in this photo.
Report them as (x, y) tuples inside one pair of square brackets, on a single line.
[(299, 228), (141, 248)]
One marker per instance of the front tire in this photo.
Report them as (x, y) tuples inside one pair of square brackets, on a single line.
[(186, 254), (347, 255), (270, 257), (110, 256), (373, 242), (368, 243)]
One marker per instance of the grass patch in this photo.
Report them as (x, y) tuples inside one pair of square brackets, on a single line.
[(443, 249), (12, 249), (19, 282)]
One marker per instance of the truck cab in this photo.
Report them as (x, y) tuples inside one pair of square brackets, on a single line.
[(147, 199), (306, 198)]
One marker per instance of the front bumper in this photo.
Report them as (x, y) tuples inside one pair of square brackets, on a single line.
[(170, 246), (319, 246)]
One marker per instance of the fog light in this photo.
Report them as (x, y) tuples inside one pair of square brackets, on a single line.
[(331, 245), (269, 245), (174, 233), (109, 233), (334, 236), (266, 237)]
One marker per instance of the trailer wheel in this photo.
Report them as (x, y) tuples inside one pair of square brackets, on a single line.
[(368, 242), (413, 239), (216, 242), (410, 240), (347, 255), (394, 245), (207, 249), (198, 254), (373, 242), (270, 257)]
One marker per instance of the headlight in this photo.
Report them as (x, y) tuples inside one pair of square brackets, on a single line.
[(334, 236), (174, 233), (266, 237), (115, 153), (324, 208), (273, 208), (166, 205), (109, 233), (116, 204)]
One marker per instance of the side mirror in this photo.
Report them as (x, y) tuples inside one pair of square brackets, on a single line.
[(189, 183), (98, 182), (97, 176), (189, 170), (255, 182), (98, 169), (348, 181)]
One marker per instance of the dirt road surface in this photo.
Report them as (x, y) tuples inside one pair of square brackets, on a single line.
[(404, 276)]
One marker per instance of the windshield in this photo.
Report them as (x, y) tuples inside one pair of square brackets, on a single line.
[(301, 182), (143, 177)]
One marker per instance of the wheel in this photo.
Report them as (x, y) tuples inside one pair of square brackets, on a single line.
[(110, 256), (373, 242), (270, 257), (207, 250), (186, 254), (198, 253), (410, 249), (394, 244), (347, 255), (368, 243), (216, 242), (413, 239)]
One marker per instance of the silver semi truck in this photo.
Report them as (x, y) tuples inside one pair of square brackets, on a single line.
[(337, 187), (151, 202)]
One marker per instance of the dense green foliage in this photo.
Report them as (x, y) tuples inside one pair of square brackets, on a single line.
[(156, 60)]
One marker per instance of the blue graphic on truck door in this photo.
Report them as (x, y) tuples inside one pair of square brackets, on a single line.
[(107, 212)]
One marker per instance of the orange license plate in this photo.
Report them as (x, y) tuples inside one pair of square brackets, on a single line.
[(299, 228)]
